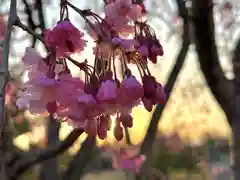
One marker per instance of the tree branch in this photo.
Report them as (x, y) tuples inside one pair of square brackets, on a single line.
[(19, 24), (153, 126), (31, 159), (39, 8), (4, 75), (5, 57), (49, 168), (30, 21), (208, 57), (76, 167), (236, 100), (127, 136)]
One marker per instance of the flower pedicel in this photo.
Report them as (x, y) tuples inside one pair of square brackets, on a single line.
[(90, 103)]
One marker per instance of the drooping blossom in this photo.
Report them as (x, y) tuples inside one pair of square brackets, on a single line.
[(127, 158), (64, 38), (118, 14), (105, 95), (149, 45), (126, 44), (39, 89)]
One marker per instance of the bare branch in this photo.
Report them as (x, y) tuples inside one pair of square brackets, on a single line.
[(76, 167), (31, 159), (49, 168), (4, 75), (19, 24), (31, 24)]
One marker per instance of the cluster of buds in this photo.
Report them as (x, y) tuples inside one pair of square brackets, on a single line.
[(105, 92)]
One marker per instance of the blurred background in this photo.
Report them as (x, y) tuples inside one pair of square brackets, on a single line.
[(190, 135)]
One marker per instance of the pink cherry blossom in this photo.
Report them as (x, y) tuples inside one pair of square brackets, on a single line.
[(107, 92), (64, 38), (74, 115), (149, 46), (143, 50), (120, 12), (126, 158), (69, 88), (125, 44), (40, 90), (37, 96), (123, 8), (128, 86), (31, 57)]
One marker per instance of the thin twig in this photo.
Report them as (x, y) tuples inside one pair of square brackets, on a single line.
[(24, 27)]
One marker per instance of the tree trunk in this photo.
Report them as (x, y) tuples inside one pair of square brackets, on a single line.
[(49, 168), (236, 140), (236, 100)]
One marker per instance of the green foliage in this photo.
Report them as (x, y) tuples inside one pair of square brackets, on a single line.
[(165, 160)]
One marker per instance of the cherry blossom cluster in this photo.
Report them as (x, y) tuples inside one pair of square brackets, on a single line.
[(103, 93), (126, 158)]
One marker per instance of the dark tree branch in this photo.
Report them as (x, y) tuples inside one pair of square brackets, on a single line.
[(39, 8), (33, 158), (49, 168), (236, 60), (208, 57), (85, 154), (30, 22), (127, 136), (236, 100), (152, 128)]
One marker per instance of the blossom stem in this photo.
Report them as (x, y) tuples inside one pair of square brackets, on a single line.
[(81, 12), (19, 24)]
